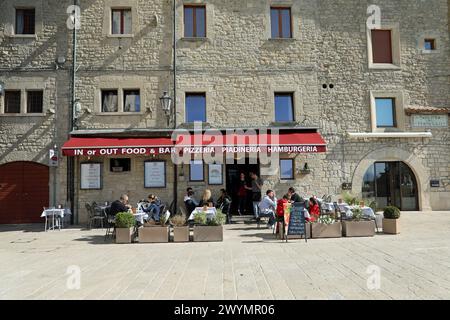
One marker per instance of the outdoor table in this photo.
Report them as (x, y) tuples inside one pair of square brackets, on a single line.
[(328, 206), (53, 212), (367, 211), (210, 212), (139, 216)]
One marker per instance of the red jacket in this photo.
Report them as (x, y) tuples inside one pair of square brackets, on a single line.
[(314, 212), (280, 207)]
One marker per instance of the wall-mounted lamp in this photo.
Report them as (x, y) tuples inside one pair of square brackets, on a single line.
[(305, 169), (60, 62), (166, 105), (2, 88)]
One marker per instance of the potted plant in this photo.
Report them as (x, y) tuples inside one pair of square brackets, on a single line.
[(357, 227), (326, 227), (155, 232), (391, 216), (124, 227), (180, 229), (208, 229)]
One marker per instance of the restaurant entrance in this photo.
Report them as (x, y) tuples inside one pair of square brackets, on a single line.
[(391, 184), (233, 172)]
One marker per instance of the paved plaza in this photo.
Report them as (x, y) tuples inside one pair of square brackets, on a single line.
[(248, 264)]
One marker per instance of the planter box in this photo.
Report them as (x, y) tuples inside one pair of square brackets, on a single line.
[(123, 235), (181, 234), (153, 234), (321, 230), (391, 226), (208, 233), (358, 228)]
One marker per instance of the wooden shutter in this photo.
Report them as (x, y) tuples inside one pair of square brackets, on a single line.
[(381, 46)]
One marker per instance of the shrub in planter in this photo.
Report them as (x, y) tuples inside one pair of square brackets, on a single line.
[(358, 227), (326, 227), (180, 229), (209, 229), (391, 220), (154, 232), (124, 227)]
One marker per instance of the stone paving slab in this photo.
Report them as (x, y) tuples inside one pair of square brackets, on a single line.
[(249, 264)]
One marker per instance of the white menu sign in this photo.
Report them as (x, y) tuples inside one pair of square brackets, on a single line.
[(430, 121), (155, 174), (215, 174), (91, 176)]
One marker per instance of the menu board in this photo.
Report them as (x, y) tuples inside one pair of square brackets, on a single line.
[(215, 174), (155, 174), (295, 223), (91, 177)]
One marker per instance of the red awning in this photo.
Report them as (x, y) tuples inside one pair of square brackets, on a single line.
[(197, 143)]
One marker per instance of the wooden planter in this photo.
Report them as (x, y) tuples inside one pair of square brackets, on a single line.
[(391, 226), (153, 234), (321, 230), (123, 235), (358, 228), (208, 233), (181, 234)]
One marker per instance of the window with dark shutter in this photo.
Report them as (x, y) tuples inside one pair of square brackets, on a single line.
[(382, 46), (195, 21), (281, 25), (25, 21), (12, 101), (34, 101)]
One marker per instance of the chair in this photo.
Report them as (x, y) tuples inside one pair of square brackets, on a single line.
[(190, 206), (110, 224), (95, 214)]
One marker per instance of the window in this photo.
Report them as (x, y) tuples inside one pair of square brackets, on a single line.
[(109, 101), (196, 170), (121, 21), (34, 101), (281, 22), (195, 107), (195, 21), (12, 101), (25, 21), (120, 165), (287, 169), (430, 44), (381, 46), (131, 101), (284, 107), (385, 112)]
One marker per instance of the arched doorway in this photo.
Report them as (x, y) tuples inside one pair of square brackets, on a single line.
[(391, 184), (24, 191)]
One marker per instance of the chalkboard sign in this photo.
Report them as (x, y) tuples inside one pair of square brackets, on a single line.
[(295, 221)]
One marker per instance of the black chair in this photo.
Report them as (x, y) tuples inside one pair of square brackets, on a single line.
[(190, 206), (110, 224)]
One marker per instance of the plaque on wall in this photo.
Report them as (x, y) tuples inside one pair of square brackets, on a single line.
[(435, 183), (91, 176), (155, 174), (346, 186), (429, 120)]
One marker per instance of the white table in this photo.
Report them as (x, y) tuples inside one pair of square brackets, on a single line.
[(367, 211), (55, 212), (210, 212), (139, 216)]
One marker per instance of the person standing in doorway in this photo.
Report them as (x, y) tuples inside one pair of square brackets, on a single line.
[(242, 189), (257, 184)]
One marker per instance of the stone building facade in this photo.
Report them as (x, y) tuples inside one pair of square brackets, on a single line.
[(327, 64)]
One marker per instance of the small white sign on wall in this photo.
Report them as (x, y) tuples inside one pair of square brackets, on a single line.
[(429, 120)]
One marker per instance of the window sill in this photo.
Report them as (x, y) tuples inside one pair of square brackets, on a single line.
[(282, 39), (384, 66), (24, 36), (390, 135), (118, 113), (22, 114), (284, 124), (113, 36), (195, 39)]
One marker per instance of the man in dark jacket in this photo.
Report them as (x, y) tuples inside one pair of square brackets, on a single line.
[(294, 196), (120, 205)]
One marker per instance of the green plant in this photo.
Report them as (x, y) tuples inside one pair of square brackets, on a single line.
[(357, 214), (218, 220), (200, 218), (178, 220), (391, 212), (372, 204), (326, 219), (125, 220), (349, 198)]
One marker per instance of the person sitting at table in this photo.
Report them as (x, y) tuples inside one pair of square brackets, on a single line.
[(190, 202), (314, 210), (281, 205), (153, 209), (120, 205), (186, 196), (207, 199), (268, 207), (294, 196)]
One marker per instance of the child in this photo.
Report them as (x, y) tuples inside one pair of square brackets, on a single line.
[(280, 205), (314, 210)]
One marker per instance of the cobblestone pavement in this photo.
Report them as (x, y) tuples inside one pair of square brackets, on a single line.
[(248, 264)]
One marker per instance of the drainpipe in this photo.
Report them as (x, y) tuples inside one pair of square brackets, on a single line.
[(175, 166), (71, 160)]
